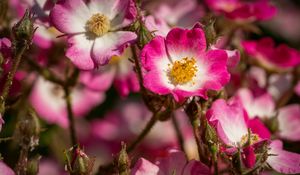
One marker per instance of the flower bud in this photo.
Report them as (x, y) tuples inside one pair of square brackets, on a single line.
[(23, 30), (123, 161), (77, 162), (144, 35), (210, 32), (33, 166), (28, 129)]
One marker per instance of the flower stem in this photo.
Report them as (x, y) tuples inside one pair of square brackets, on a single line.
[(137, 66), (195, 121), (178, 132), (10, 76), (144, 133), (70, 116)]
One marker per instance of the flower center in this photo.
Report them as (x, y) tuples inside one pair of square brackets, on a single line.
[(253, 138), (98, 24), (182, 71)]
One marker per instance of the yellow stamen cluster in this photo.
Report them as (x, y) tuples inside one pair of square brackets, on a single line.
[(182, 71), (253, 138), (98, 24)]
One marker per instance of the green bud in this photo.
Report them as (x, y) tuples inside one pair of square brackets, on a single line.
[(23, 30), (77, 162), (123, 161), (144, 35), (28, 129), (33, 166), (210, 32)]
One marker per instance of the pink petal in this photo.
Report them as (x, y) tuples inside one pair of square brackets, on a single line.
[(289, 122), (144, 167), (196, 168), (111, 44), (229, 121), (5, 170), (183, 42), (248, 157), (283, 161), (70, 16), (257, 127), (174, 163), (157, 25), (79, 52), (297, 88)]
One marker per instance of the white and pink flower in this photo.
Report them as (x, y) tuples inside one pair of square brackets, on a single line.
[(271, 57), (243, 11), (94, 29), (48, 100), (180, 64)]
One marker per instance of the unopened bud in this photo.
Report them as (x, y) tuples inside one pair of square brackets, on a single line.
[(144, 35), (77, 162), (28, 129), (123, 161), (23, 30), (210, 32), (33, 166)]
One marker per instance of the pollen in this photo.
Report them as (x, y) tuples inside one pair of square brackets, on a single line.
[(253, 138), (98, 24), (183, 71)]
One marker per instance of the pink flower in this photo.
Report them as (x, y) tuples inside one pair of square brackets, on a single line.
[(289, 122), (283, 161), (48, 100), (243, 11), (184, 13), (262, 106), (272, 57), (174, 163), (5, 170), (119, 72), (180, 65), (94, 29), (232, 126)]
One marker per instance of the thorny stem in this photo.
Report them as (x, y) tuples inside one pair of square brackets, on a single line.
[(10, 76), (195, 121), (144, 133), (21, 167), (137, 66), (70, 116), (178, 132)]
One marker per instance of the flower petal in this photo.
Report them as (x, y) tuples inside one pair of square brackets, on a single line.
[(229, 121), (196, 168), (70, 16), (185, 43), (289, 122), (5, 170), (110, 44), (144, 167), (79, 52), (283, 161)]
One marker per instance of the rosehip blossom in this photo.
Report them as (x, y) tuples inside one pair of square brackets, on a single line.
[(180, 65), (119, 72), (48, 100), (243, 11), (174, 163), (271, 57), (223, 116), (94, 29)]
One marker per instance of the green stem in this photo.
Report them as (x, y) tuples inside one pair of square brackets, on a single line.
[(70, 117), (144, 133), (195, 121), (178, 132), (10, 77)]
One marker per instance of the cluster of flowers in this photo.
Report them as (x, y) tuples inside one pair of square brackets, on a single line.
[(213, 110)]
